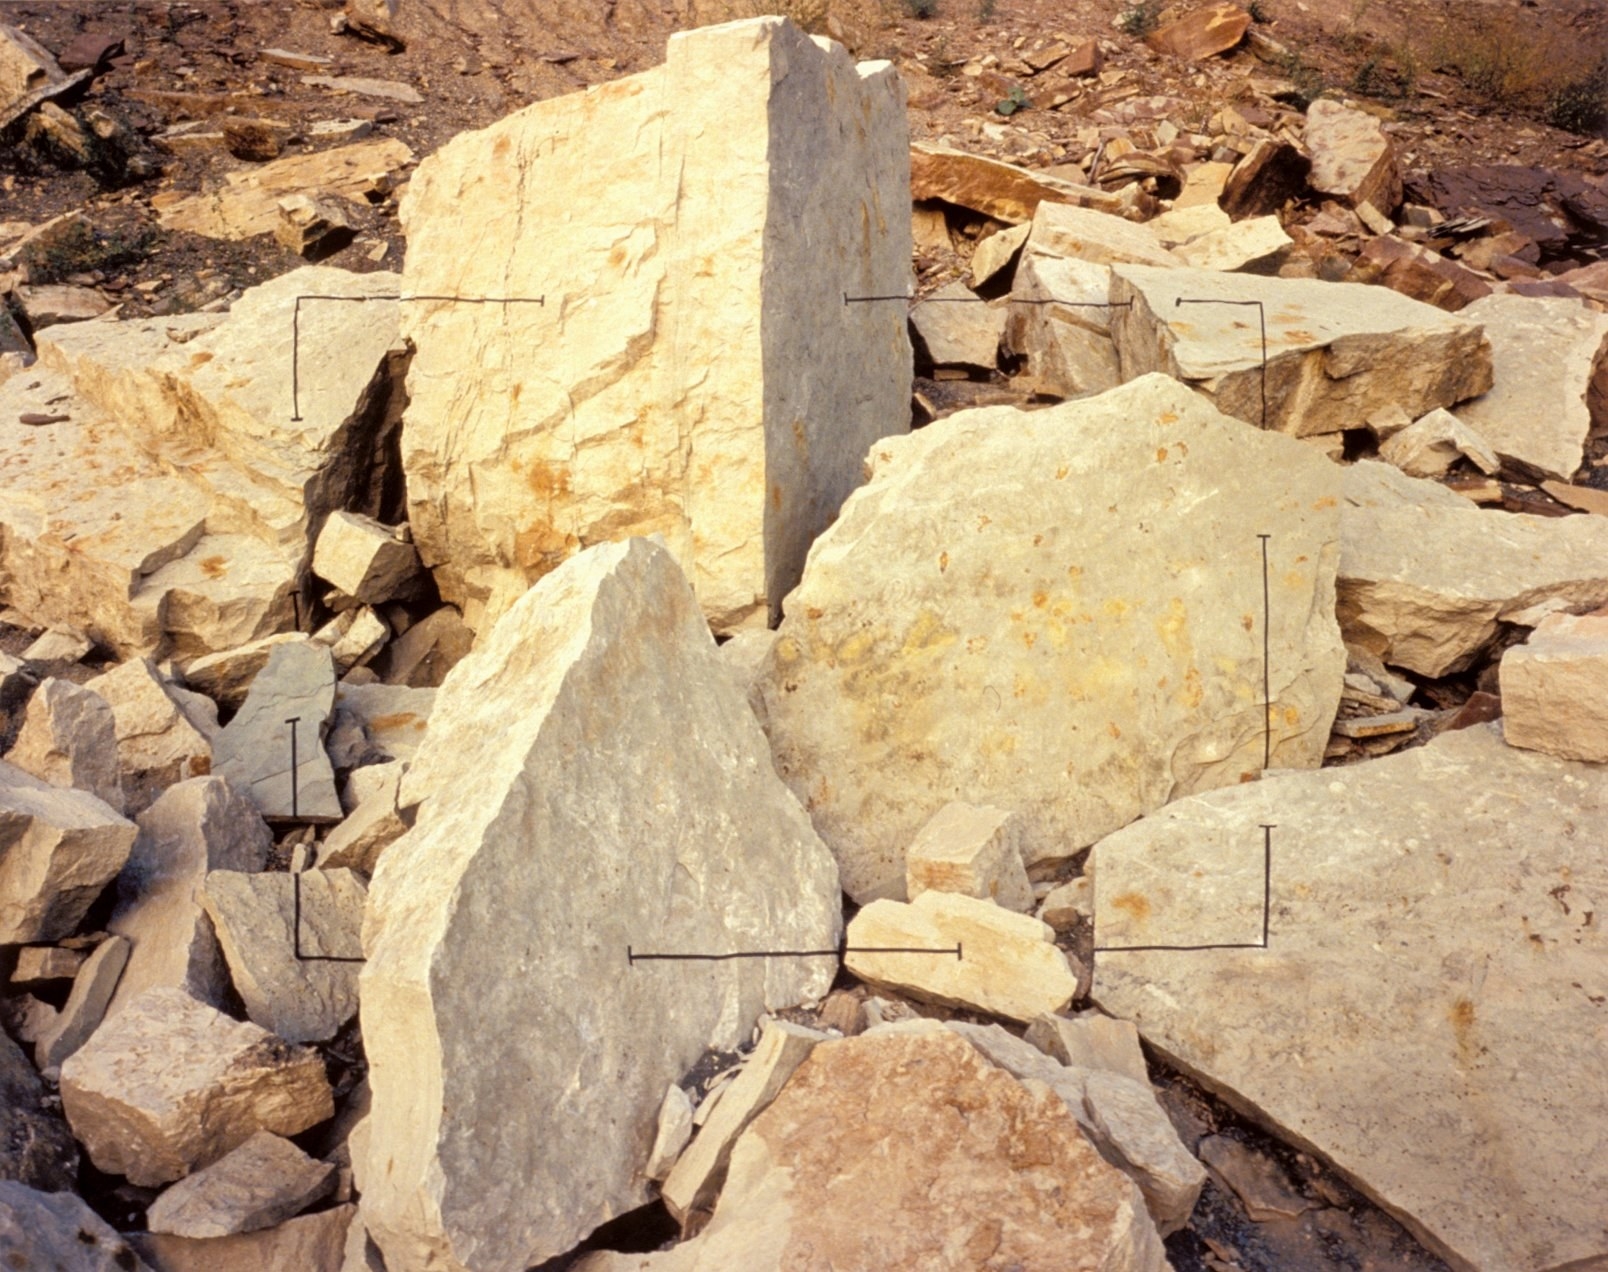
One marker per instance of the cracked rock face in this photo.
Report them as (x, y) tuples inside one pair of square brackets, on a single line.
[(635, 785), (1059, 613), (688, 373)]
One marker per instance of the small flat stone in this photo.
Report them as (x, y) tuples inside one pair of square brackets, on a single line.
[(263, 1182), (388, 90), (1379, 726)]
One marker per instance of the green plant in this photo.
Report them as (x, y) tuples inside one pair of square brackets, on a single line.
[(1582, 105), (1141, 18), (1370, 79), (1306, 80), (1012, 102), (985, 10), (1531, 63), (921, 8)]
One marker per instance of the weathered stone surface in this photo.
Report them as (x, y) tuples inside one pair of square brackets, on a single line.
[(1203, 33), (1547, 353), (58, 1232), (673, 1134), (955, 328), (1068, 904), (1428, 447), (909, 1149), (393, 717), (25, 65), (370, 828), (979, 621), (312, 1243), (1409, 1027), (1555, 689), (1417, 271), (170, 1084), (49, 305), (263, 1182), (1255, 245), (693, 379), (58, 849), (363, 558), (1272, 172), (302, 999), (248, 201), (1336, 352), (37, 963), (421, 656), (36, 1148), (312, 226), (1008, 964), (1257, 1180), (69, 739), (98, 533), (164, 733), (58, 646), (85, 1008), (1091, 1040), (199, 825), (254, 751), (995, 254), (354, 637), (1065, 347), (1426, 577), (282, 451), (695, 1180), (649, 838), (226, 676), (994, 188), (1352, 158), (973, 850)]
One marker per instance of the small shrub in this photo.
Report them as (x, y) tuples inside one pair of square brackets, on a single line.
[(1012, 102), (921, 8), (985, 10), (1581, 106), (1306, 79), (77, 247), (1140, 19), (1258, 11), (1532, 64)]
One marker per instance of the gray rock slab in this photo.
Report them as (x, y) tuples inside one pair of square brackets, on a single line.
[(1059, 613), (254, 751), (69, 739), (539, 859), (200, 825), (85, 1007), (36, 1148), (58, 1232), (1428, 1013), (260, 1184), (1427, 577), (368, 830), (1336, 352), (171, 1084), (957, 328), (58, 849), (393, 717), (277, 946)]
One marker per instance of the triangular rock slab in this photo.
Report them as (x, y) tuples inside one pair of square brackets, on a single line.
[(1428, 1013), (255, 751), (1060, 613), (628, 804)]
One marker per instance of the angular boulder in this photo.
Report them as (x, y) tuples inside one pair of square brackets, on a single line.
[(69, 739), (692, 379), (1352, 159), (310, 1243), (1550, 354), (1555, 689), (171, 1084), (628, 806), (58, 849), (364, 559), (1336, 352), (164, 733), (199, 825), (1427, 578), (263, 1182), (1203, 33), (1017, 607), (257, 749), (1431, 981), (995, 188), (973, 850), (908, 1149)]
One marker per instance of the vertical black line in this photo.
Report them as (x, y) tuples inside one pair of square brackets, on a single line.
[(295, 929), (295, 360), (1261, 312), (1267, 662), (295, 797), (1267, 881)]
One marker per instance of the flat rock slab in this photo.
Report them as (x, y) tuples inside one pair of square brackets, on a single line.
[(1059, 613), (908, 1149), (1547, 351), (1428, 1015), (311, 1243), (994, 188), (171, 1084), (629, 804), (264, 1182), (687, 375), (58, 849), (164, 733), (255, 751), (85, 1007), (1336, 352), (393, 717), (199, 825), (278, 932), (1204, 33), (58, 1232), (957, 328), (1427, 577)]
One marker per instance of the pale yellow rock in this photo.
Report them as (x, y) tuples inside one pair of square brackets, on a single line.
[(1555, 689), (226, 676), (1429, 446), (365, 559), (1091, 1040), (1008, 963), (1188, 221), (85, 1007), (1060, 613), (1255, 245), (263, 1182), (693, 371), (163, 734), (68, 738), (248, 202), (975, 851), (996, 252), (310, 1243)]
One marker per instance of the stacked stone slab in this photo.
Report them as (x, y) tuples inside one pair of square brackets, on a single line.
[(693, 369)]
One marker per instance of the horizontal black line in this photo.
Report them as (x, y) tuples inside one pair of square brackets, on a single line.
[(978, 300), (1130, 949), (328, 958), (462, 300), (633, 957)]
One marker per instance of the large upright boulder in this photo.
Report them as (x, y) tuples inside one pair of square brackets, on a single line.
[(1428, 1011), (1336, 352), (69, 739), (1059, 613), (1352, 158), (629, 804), (694, 370)]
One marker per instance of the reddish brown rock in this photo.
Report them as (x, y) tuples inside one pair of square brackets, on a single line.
[(995, 188), (1268, 177), (1418, 272), (1203, 33)]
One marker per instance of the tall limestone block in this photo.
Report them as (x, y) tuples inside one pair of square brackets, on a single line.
[(693, 370), (1059, 613), (518, 1058)]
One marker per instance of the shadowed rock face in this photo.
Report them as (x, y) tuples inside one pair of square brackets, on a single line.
[(693, 370), (629, 803)]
